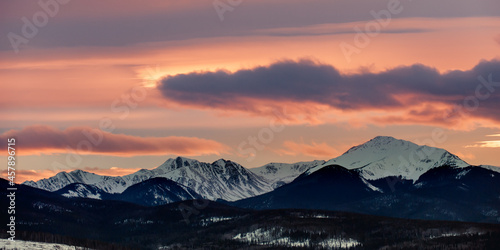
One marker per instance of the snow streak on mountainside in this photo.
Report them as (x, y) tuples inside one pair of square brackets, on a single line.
[(81, 190), (386, 156), (282, 173)]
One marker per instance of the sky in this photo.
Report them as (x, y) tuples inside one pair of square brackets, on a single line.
[(112, 87)]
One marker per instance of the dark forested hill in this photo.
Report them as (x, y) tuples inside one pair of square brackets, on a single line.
[(100, 224)]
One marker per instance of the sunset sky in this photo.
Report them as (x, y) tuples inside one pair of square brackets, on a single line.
[(115, 86)]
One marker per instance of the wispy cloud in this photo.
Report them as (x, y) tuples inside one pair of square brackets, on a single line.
[(313, 149), (487, 144), (113, 171)]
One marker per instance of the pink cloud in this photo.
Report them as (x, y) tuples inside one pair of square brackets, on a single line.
[(40, 139)]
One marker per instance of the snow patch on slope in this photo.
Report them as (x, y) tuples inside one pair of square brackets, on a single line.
[(19, 244), (267, 237), (82, 191), (371, 186), (279, 174)]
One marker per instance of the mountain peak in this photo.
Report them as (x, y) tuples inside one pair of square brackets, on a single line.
[(80, 172), (222, 179), (223, 162), (384, 137), (382, 143), (381, 139), (385, 140), (184, 159), (385, 156), (178, 162)]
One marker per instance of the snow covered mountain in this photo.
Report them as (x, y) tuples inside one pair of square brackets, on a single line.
[(279, 174), (157, 191), (219, 180), (109, 184), (386, 156), (151, 192)]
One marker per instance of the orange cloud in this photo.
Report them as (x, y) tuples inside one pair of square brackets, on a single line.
[(487, 144), (314, 149), (26, 175), (39, 139)]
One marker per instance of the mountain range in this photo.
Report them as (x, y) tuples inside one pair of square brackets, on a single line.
[(384, 176), (221, 179)]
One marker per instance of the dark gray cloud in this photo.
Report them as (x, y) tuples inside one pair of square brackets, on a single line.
[(345, 31), (105, 24), (306, 81)]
